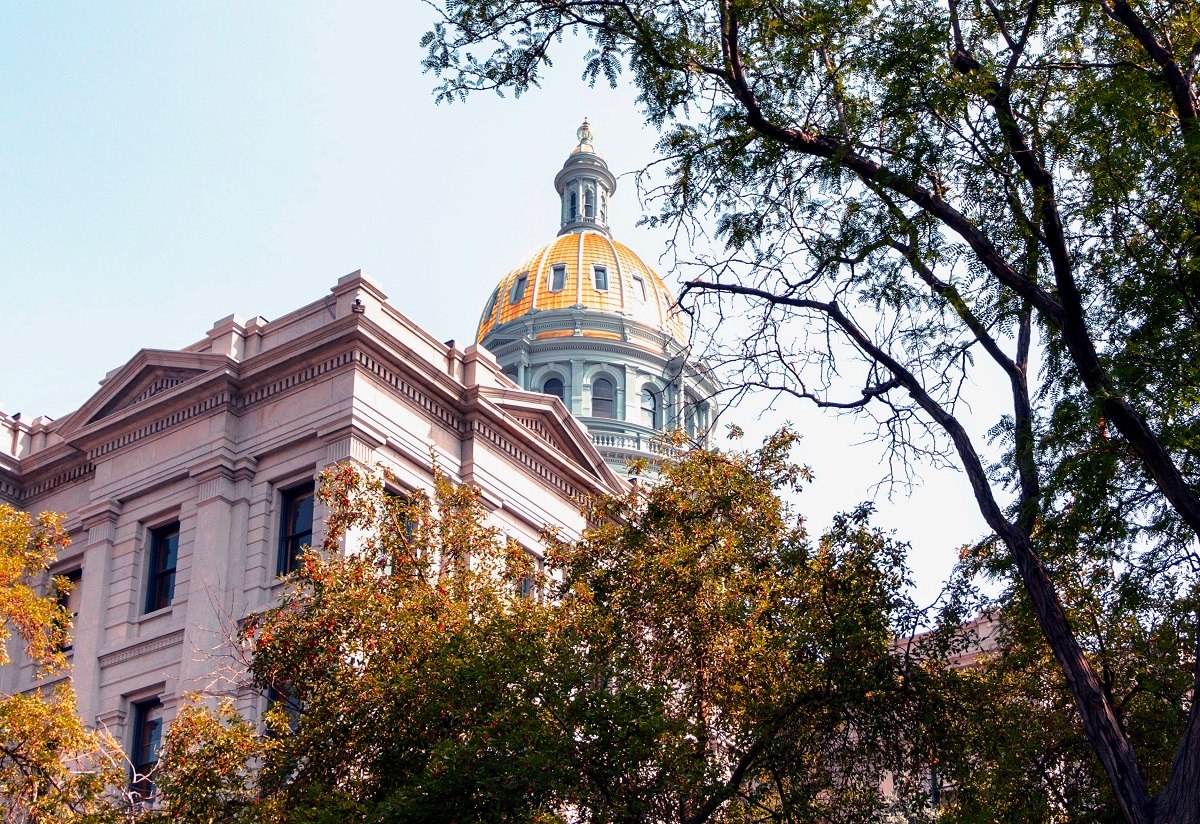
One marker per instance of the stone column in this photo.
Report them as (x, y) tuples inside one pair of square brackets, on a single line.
[(575, 401), (100, 520)]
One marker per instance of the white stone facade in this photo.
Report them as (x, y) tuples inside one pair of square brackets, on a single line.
[(213, 437)]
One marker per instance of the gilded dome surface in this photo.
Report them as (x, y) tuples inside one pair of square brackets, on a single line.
[(583, 269)]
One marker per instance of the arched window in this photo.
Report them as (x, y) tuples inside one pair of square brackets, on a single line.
[(553, 386), (574, 205), (588, 207), (649, 408), (602, 398)]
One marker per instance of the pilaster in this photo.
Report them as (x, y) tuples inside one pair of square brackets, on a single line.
[(216, 560), (100, 521)]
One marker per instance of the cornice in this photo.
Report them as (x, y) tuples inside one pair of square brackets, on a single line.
[(527, 431)]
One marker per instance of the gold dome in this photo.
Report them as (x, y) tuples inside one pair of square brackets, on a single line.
[(633, 289)]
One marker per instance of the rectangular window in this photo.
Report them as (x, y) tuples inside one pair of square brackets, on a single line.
[(601, 276), (558, 278), (295, 526), (518, 290), (284, 699), (164, 556), (639, 287), (69, 600), (147, 738)]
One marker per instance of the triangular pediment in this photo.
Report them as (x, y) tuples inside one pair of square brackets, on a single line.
[(547, 419), (149, 373)]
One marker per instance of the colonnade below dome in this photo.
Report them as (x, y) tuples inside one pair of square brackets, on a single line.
[(625, 397)]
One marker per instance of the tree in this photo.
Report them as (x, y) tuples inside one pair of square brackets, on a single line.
[(693, 657), (912, 196), (52, 769)]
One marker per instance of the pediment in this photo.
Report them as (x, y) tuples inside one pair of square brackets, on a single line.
[(149, 373), (547, 419)]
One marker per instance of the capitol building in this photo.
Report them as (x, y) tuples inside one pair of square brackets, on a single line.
[(188, 478)]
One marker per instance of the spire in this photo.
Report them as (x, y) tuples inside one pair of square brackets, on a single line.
[(585, 184)]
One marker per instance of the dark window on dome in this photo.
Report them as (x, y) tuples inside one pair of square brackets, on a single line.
[(602, 398), (600, 274), (518, 289), (589, 210), (649, 408), (554, 387), (574, 205), (558, 278), (491, 307)]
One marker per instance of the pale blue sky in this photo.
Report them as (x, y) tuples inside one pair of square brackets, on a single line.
[(164, 164)]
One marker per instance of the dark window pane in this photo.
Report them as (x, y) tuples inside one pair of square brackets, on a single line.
[(69, 600), (602, 398), (558, 278), (649, 408), (164, 557), (147, 738), (295, 527), (601, 275), (553, 387), (518, 290)]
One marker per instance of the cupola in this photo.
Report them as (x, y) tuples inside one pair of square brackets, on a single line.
[(585, 185)]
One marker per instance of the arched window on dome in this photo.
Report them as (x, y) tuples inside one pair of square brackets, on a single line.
[(589, 206), (649, 408), (574, 205), (554, 386), (602, 398)]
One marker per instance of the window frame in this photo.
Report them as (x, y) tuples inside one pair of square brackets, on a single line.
[(159, 538), (139, 765), (562, 387), (519, 287), (611, 400), (640, 292), (491, 307), (600, 272), (63, 599), (289, 555), (652, 409), (556, 270)]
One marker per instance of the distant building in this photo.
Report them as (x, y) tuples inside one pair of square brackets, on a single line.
[(188, 478)]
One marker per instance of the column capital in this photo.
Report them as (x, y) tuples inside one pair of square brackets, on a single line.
[(223, 475), (351, 442)]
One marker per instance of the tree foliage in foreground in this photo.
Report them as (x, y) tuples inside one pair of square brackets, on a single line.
[(912, 196), (694, 657), (52, 769)]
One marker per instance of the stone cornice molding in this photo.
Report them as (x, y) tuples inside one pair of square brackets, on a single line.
[(120, 656), (356, 343)]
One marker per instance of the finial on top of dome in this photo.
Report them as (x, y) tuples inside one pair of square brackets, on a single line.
[(584, 133)]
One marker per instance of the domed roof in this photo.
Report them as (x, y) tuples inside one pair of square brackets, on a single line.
[(614, 280)]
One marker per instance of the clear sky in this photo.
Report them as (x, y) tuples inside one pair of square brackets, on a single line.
[(164, 164)]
